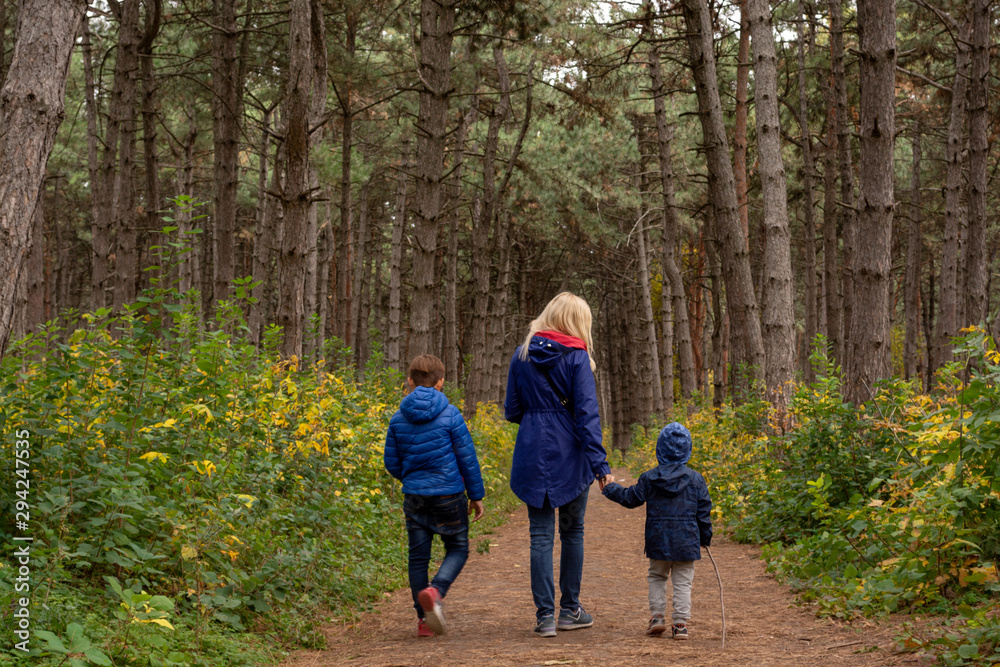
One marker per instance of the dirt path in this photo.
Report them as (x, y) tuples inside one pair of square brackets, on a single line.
[(491, 615)]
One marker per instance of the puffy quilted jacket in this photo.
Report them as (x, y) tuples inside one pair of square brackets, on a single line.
[(429, 448), (556, 454), (678, 507)]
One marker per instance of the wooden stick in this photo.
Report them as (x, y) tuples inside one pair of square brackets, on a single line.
[(722, 600)]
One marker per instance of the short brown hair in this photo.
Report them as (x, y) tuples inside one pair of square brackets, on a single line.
[(426, 370)]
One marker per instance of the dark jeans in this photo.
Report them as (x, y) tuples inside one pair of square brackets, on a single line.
[(447, 516), (541, 521)]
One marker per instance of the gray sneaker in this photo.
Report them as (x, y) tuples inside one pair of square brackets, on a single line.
[(575, 620), (546, 626)]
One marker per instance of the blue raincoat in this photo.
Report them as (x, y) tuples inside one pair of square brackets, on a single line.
[(556, 454), (678, 507)]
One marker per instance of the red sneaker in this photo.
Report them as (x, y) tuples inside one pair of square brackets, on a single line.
[(430, 602), (423, 630)]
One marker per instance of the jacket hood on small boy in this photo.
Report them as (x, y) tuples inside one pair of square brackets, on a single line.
[(673, 449), (423, 404), (673, 445)]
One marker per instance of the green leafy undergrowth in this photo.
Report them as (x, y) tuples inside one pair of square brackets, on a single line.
[(891, 506), (187, 490)]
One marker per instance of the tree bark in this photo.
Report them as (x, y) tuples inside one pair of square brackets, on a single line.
[(31, 107), (291, 310), (452, 352), (808, 213), (976, 301), (125, 204), (346, 229), (393, 346), (846, 212), (675, 324), (263, 241), (947, 319), (912, 284), (831, 267), (315, 289), (477, 385), (99, 226), (437, 20), (359, 318), (778, 316), (870, 340), (651, 374), (151, 164), (740, 120), (227, 110), (747, 343)]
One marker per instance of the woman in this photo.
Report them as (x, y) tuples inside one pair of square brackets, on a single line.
[(558, 452)]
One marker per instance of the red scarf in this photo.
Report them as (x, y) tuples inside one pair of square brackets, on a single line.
[(563, 339)]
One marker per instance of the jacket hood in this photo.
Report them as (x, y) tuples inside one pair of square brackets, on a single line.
[(423, 404), (673, 445), (546, 351)]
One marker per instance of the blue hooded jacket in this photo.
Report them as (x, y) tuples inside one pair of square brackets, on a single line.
[(555, 454), (678, 507), (429, 448)]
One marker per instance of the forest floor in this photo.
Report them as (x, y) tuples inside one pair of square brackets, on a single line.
[(490, 613)]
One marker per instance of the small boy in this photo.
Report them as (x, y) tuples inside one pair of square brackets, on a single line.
[(428, 448), (678, 524)]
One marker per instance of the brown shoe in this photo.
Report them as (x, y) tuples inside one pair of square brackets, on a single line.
[(679, 631), (657, 626)]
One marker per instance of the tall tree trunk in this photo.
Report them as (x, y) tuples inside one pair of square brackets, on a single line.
[(31, 106), (451, 348), (125, 204), (808, 214), (99, 226), (947, 319), (778, 292), (976, 300), (291, 310), (674, 315), (188, 270), (651, 375), (477, 385), (149, 87), (393, 346), (315, 290), (227, 110), (359, 318), (346, 216), (437, 20), (831, 267), (34, 269), (263, 240), (740, 120), (747, 343), (870, 340), (846, 213), (912, 301), (717, 358)]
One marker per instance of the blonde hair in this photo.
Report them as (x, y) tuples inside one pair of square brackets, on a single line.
[(566, 313)]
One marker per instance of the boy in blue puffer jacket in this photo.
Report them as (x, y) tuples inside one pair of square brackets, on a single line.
[(678, 524), (428, 448)]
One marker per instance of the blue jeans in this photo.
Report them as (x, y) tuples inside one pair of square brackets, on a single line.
[(447, 516), (541, 524)]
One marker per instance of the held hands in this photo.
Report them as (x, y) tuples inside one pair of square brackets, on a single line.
[(604, 481), (477, 507)]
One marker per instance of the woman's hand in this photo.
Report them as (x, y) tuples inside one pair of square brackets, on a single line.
[(604, 481), (477, 507)]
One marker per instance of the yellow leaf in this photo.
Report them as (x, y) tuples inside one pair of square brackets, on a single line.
[(188, 552), (336, 493), (155, 456), (159, 621)]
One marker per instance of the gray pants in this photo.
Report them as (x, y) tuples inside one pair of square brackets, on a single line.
[(683, 577)]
